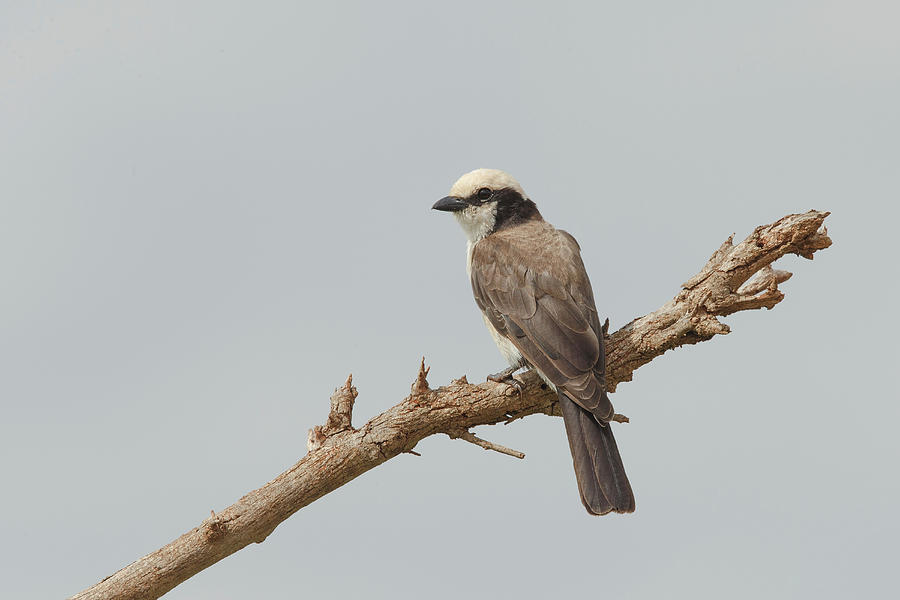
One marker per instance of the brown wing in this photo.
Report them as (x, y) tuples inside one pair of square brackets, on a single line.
[(531, 284)]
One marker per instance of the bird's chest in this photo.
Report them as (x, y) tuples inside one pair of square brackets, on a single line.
[(506, 347), (470, 249)]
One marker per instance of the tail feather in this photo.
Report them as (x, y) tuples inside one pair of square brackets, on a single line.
[(599, 470)]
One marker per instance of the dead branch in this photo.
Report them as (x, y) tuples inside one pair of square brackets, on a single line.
[(735, 278), (465, 434)]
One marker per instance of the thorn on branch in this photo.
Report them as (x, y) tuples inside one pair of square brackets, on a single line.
[(341, 414), (214, 527), (420, 385), (340, 417), (465, 434), (315, 438)]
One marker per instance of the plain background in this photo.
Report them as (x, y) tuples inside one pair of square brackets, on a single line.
[(211, 213)]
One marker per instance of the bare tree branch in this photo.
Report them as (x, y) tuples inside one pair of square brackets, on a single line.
[(735, 278), (465, 434)]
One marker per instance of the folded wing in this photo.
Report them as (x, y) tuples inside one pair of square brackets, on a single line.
[(531, 284)]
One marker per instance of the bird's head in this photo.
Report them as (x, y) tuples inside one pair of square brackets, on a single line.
[(486, 200)]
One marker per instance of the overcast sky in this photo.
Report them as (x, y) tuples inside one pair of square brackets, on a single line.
[(211, 213)]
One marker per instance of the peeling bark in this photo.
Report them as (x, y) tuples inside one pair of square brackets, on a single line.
[(735, 278)]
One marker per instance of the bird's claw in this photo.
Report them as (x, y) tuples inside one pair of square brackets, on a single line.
[(506, 376)]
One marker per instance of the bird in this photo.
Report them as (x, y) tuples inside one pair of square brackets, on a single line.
[(531, 285)]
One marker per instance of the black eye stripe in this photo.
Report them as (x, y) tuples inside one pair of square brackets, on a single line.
[(512, 208)]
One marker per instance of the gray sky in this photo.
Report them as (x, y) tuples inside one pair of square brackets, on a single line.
[(210, 213)]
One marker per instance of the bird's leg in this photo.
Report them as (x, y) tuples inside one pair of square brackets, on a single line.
[(502, 376), (506, 376)]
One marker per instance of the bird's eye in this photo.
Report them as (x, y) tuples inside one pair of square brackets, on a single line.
[(485, 194)]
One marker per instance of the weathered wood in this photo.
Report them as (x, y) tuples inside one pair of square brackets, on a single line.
[(735, 278)]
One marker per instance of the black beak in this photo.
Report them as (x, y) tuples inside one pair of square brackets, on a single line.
[(449, 204)]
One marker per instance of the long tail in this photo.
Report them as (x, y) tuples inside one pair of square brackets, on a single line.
[(599, 470)]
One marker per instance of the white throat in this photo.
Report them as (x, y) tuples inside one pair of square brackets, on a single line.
[(477, 221)]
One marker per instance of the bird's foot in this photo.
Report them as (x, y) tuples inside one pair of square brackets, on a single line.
[(503, 376), (506, 376)]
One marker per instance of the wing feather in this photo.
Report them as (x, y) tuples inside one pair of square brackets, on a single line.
[(533, 288)]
